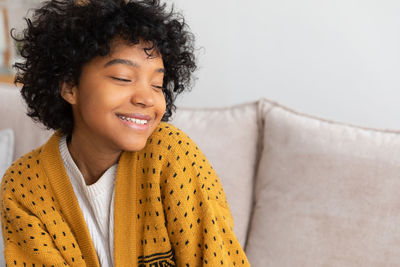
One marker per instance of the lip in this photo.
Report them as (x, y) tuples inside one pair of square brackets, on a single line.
[(133, 125), (135, 116)]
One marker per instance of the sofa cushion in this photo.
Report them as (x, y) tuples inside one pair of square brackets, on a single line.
[(228, 138), (28, 135), (327, 193), (6, 149), (6, 157)]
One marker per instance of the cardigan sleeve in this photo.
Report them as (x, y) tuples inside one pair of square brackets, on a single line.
[(198, 219), (26, 240)]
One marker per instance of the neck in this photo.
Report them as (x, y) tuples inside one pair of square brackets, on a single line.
[(90, 158)]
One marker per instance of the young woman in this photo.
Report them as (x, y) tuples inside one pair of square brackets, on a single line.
[(116, 185)]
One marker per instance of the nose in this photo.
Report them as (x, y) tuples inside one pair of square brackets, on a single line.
[(142, 95)]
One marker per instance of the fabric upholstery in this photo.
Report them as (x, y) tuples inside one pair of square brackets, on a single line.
[(327, 193), (229, 138), (6, 156), (6, 149)]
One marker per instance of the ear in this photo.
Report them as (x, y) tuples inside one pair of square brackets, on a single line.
[(69, 93)]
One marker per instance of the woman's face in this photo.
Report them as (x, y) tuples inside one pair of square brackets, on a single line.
[(119, 100)]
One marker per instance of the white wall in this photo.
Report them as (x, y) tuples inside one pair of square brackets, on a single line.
[(17, 10), (337, 59)]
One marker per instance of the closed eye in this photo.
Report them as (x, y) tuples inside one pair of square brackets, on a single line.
[(158, 87), (121, 79)]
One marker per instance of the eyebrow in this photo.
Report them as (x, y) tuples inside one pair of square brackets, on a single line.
[(128, 63)]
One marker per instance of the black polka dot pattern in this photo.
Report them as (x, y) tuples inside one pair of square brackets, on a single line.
[(184, 193), (32, 223), (181, 217)]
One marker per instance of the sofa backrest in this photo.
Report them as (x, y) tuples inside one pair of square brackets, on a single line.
[(229, 137), (326, 193)]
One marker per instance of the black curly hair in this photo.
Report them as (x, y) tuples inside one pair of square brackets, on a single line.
[(63, 35)]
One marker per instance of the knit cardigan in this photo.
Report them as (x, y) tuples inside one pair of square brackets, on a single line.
[(170, 209)]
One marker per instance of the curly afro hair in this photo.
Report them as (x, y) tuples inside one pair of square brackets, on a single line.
[(63, 35)]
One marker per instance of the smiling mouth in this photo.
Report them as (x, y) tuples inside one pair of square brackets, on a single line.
[(137, 121)]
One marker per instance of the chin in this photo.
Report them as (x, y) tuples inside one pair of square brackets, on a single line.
[(134, 146)]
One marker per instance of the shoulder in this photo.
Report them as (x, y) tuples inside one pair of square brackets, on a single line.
[(167, 131), (24, 164), (29, 163), (21, 172), (171, 139), (185, 165)]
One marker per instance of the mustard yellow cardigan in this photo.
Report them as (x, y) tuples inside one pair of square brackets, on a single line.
[(170, 209)]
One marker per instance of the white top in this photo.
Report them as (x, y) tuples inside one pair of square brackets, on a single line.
[(97, 205)]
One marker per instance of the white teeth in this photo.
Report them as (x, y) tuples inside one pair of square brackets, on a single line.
[(137, 121)]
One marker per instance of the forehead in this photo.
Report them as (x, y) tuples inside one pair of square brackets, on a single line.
[(144, 49), (123, 53)]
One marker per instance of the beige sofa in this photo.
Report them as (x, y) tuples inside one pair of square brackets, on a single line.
[(303, 191)]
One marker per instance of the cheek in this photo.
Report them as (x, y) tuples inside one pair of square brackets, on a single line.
[(99, 98), (91, 104), (97, 108), (162, 106)]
